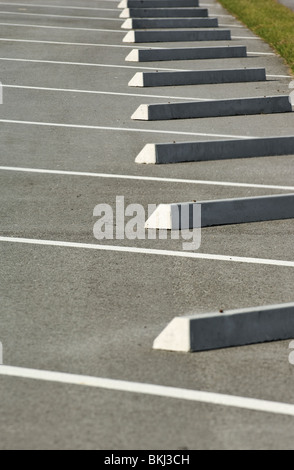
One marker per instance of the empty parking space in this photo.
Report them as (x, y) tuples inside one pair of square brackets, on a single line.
[(73, 304)]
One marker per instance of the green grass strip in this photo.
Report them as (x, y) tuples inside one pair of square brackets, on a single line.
[(268, 19)]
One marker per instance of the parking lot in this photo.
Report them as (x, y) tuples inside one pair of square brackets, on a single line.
[(72, 304)]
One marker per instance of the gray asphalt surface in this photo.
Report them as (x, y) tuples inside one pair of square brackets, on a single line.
[(97, 313)]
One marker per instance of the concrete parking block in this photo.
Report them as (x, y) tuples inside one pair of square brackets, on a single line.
[(164, 12), (197, 77), (225, 329), (161, 23), (231, 107), (216, 150), (178, 35), (191, 53)]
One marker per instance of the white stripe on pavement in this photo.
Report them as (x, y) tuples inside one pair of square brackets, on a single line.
[(63, 27), (216, 14), (105, 45), (148, 251), (279, 76), (42, 15), (261, 53), (229, 25), (86, 64), (35, 5), (120, 129), (145, 178), (211, 398)]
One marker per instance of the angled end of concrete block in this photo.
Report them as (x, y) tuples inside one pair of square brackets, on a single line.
[(123, 4), (141, 114), (129, 37), (175, 337), (175, 217), (147, 155), (161, 219), (125, 13), (133, 56), (128, 24), (137, 80)]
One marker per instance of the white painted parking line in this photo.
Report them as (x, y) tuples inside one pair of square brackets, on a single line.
[(202, 332), (19, 25), (213, 150), (148, 251), (95, 92), (120, 129), (145, 178), (61, 43), (86, 64), (35, 5), (250, 38), (279, 76), (83, 44), (216, 212), (222, 25), (209, 398), (262, 53), (43, 15)]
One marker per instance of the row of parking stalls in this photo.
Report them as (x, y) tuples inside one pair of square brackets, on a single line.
[(172, 21)]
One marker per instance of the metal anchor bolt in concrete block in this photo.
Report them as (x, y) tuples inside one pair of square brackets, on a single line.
[(157, 3)]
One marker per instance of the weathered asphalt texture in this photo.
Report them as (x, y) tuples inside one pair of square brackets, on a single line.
[(97, 313)]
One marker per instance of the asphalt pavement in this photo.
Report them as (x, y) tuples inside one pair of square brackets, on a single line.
[(68, 144)]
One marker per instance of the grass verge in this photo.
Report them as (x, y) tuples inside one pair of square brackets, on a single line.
[(268, 19)]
